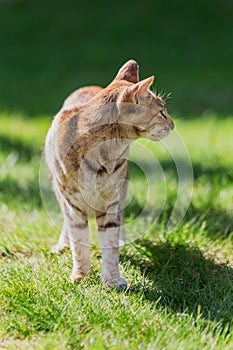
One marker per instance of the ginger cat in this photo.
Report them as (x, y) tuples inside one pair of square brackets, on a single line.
[(81, 96), (86, 151)]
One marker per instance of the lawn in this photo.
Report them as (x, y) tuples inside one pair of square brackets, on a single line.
[(179, 215), (180, 282)]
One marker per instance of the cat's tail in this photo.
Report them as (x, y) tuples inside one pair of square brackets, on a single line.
[(81, 96)]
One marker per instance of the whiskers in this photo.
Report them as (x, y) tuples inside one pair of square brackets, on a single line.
[(164, 95)]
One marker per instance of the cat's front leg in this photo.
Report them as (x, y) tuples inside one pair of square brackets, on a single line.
[(109, 233), (78, 232)]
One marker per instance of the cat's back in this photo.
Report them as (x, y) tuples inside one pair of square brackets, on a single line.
[(87, 102), (76, 118), (81, 96)]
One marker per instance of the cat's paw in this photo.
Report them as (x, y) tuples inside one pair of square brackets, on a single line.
[(78, 276), (57, 249), (121, 284), (118, 284)]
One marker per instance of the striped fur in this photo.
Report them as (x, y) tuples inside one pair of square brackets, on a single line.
[(86, 151)]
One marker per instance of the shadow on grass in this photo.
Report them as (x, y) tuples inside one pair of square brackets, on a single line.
[(184, 280), (203, 173), (210, 179), (17, 192), (209, 209), (212, 173), (216, 222), (24, 150), (18, 196)]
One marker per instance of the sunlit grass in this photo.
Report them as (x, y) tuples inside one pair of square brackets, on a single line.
[(180, 282)]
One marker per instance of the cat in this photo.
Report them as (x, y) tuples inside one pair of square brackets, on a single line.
[(86, 151), (81, 96)]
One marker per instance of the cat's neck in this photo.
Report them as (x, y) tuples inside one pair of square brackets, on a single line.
[(103, 107)]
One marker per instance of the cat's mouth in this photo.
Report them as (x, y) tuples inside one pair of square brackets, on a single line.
[(159, 135), (165, 132)]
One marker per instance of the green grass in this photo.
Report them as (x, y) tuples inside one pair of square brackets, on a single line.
[(180, 283), (180, 293), (49, 48)]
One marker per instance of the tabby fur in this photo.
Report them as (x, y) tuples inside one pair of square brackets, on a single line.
[(87, 150)]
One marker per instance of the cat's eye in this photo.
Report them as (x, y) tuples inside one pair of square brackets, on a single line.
[(163, 115)]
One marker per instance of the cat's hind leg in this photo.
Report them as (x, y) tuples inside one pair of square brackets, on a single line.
[(63, 242), (122, 190), (122, 237)]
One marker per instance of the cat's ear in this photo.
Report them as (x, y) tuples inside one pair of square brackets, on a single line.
[(129, 72), (145, 84), (131, 94)]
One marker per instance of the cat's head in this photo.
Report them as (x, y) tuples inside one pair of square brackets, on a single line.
[(141, 110)]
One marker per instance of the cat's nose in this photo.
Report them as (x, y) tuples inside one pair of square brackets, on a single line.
[(170, 123)]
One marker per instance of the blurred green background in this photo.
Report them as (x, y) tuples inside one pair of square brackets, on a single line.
[(49, 48)]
